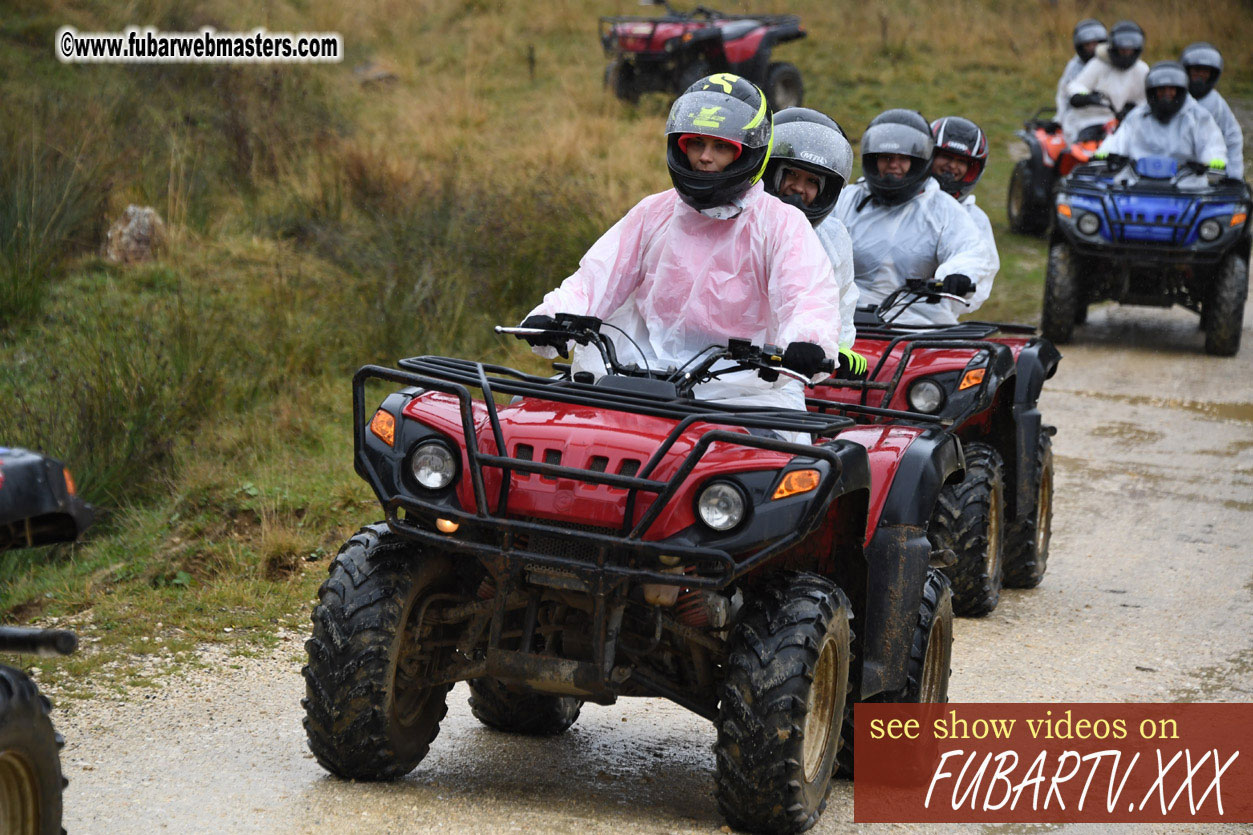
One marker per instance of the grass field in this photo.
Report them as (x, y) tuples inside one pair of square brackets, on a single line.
[(318, 221)]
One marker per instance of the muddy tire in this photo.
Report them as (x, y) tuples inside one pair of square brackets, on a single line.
[(930, 661), (968, 518), (689, 75), (368, 713), (783, 87), (620, 78), (30, 763), (782, 704), (1027, 540), (1224, 308), (1061, 294), (521, 712), (1025, 217)]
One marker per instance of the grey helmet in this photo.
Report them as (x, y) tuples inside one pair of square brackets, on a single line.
[(1089, 30), (730, 108), (1202, 55), (897, 131), (1126, 34), (811, 141), (1166, 74)]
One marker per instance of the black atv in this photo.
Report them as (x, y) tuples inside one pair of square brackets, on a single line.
[(38, 506), (668, 54), (603, 538)]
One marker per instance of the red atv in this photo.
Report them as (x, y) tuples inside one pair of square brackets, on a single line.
[(1050, 157), (670, 53), (38, 506), (615, 537), (983, 381)]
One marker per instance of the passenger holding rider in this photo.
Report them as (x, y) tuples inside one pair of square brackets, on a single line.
[(1204, 64), (711, 259), (904, 227), (1169, 124), (961, 154), (1116, 74), (1089, 34), (809, 166)]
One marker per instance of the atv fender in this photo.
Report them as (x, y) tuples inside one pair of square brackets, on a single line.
[(1036, 363), (755, 67), (898, 557)]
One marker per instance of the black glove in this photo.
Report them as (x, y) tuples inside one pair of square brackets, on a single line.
[(957, 285), (805, 358), (542, 339), (1085, 99)]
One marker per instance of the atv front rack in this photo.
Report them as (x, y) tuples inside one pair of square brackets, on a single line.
[(966, 335), (612, 558)]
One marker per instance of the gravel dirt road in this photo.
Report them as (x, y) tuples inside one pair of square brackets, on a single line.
[(1148, 597)]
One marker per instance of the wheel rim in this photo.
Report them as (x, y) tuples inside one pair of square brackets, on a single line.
[(992, 562), (934, 664), (1043, 511), (820, 717), (409, 691), (19, 795)]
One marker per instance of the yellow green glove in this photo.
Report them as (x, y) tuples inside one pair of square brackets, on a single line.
[(853, 361), (1101, 155), (1218, 164)]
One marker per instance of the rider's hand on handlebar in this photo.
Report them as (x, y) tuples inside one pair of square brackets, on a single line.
[(957, 285), (806, 358), (852, 365), (1086, 99), (545, 340), (1218, 164)]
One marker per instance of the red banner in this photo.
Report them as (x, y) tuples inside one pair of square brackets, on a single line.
[(1053, 763)]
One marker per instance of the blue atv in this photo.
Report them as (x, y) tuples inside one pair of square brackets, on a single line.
[(1150, 232)]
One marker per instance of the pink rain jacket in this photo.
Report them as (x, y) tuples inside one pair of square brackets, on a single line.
[(679, 281)]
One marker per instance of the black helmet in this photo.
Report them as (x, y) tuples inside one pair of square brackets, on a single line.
[(897, 131), (1203, 56), (963, 138), (811, 141), (1089, 30), (728, 107), (1166, 74), (1126, 34)]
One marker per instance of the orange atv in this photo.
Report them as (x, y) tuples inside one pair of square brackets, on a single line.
[(1049, 158)]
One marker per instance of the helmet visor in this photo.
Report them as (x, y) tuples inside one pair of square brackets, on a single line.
[(817, 147), (890, 138)]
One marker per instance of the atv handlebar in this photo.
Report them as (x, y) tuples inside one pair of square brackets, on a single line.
[(30, 641), (766, 360)]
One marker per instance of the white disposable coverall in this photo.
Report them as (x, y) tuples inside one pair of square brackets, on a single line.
[(1069, 73), (679, 281), (1100, 76), (930, 234), (839, 247), (1233, 135), (984, 288), (1190, 135)]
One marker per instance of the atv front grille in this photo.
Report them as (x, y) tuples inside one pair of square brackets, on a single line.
[(555, 545)]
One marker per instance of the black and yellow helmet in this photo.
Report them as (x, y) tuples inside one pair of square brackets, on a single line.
[(730, 108)]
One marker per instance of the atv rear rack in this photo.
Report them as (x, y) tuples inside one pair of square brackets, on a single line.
[(615, 557)]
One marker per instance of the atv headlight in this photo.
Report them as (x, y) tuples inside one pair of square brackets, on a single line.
[(721, 506), (926, 396), (1088, 223), (1210, 230), (433, 465)]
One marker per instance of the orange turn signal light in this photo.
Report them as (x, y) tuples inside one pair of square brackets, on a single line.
[(1237, 219), (384, 427), (69, 482), (1063, 209), (796, 482), (973, 377)]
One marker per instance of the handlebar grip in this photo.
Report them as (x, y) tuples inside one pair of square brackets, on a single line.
[(828, 366)]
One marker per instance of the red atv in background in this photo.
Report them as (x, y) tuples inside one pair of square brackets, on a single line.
[(1033, 182), (983, 381), (668, 54), (598, 538)]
